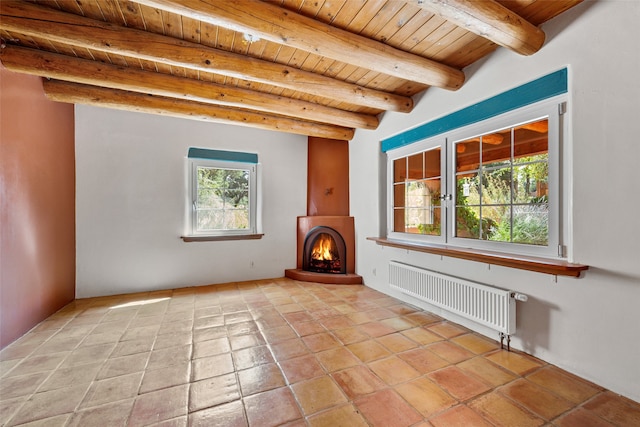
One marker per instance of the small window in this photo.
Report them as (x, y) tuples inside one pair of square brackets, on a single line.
[(223, 193), (417, 189)]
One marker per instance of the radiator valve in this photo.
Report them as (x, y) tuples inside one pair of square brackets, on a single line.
[(518, 296)]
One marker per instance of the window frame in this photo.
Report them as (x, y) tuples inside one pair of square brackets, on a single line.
[(554, 109), (193, 163), (406, 151)]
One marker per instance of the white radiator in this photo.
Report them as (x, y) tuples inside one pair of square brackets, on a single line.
[(489, 306)]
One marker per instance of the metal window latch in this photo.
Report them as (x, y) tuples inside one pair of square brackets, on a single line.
[(445, 197), (562, 108)]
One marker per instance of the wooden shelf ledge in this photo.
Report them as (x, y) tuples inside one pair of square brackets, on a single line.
[(221, 238), (522, 262)]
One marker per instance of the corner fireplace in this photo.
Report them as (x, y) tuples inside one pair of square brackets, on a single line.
[(326, 236), (324, 251)]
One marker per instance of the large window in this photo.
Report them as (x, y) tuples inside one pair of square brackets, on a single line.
[(493, 185), (223, 193)]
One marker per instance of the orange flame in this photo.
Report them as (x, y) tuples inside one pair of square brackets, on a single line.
[(323, 248)]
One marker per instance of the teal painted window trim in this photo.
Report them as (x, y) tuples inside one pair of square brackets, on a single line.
[(543, 88), (227, 156)]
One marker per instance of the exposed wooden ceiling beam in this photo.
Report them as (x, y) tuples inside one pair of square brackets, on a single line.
[(282, 26), (489, 19), (62, 67), (38, 21), (77, 93)]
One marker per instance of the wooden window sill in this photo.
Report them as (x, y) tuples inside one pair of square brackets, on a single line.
[(522, 262), (221, 238)]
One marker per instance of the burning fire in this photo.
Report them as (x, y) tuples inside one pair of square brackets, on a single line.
[(324, 248)]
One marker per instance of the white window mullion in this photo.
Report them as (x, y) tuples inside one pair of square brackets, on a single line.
[(513, 189), (480, 192)]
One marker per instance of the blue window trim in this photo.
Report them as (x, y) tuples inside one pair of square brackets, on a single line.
[(545, 87), (226, 156)]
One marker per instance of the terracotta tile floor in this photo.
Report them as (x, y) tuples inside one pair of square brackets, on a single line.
[(281, 352)]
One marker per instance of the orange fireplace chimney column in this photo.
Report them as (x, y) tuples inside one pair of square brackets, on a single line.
[(327, 177)]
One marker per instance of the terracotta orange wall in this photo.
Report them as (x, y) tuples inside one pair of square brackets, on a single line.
[(328, 177), (37, 205)]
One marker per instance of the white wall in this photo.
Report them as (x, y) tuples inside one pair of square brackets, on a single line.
[(591, 325), (130, 179)]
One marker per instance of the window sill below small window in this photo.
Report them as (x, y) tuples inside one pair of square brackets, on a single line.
[(522, 262), (221, 238)]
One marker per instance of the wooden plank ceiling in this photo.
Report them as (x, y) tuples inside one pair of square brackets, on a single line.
[(320, 68)]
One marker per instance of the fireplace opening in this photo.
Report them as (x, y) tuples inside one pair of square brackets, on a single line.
[(324, 251)]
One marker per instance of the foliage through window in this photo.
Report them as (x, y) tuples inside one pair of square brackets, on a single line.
[(502, 185), (223, 194), (417, 186), (222, 199), (491, 185)]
